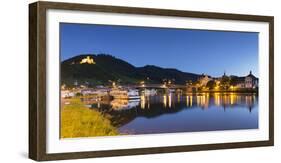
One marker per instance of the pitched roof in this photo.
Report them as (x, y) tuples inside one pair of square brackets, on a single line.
[(251, 75)]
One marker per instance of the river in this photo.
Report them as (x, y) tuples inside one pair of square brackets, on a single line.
[(170, 113)]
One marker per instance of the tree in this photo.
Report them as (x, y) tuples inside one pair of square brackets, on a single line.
[(233, 81), (197, 83), (225, 82), (211, 84)]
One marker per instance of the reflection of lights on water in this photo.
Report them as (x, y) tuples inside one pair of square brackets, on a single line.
[(148, 102), (165, 101), (201, 100), (198, 100), (232, 98), (239, 99), (217, 99), (249, 100), (225, 100), (187, 100), (170, 100), (142, 102), (207, 100)]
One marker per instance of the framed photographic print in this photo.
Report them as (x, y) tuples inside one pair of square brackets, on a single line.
[(111, 81)]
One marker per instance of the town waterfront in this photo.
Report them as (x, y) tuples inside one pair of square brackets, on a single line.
[(153, 105)]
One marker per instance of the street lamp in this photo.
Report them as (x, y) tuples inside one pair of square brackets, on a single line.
[(142, 83)]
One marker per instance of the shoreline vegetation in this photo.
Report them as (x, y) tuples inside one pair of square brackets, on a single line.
[(79, 121)]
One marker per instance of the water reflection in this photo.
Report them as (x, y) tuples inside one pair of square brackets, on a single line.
[(203, 100), (137, 116)]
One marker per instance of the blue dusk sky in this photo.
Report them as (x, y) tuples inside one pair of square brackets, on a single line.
[(195, 51)]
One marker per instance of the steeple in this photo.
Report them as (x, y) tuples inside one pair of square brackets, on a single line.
[(251, 75)]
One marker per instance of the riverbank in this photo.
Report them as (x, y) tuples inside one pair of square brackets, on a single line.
[(80, 121), (229, 91)]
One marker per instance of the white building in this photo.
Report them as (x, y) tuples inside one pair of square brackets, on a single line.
[(251, 81)]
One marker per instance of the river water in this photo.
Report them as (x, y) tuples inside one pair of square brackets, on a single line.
[(170, 113)]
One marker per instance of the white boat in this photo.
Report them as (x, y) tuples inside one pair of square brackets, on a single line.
[(67, 94), (120, 93), (91, 91)]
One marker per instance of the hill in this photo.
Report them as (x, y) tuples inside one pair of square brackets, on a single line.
[(106, 68)]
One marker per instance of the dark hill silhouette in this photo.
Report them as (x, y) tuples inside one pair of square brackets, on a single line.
[(108, 68)]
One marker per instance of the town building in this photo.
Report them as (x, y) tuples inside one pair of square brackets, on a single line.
[(249, 81), (204, 79)]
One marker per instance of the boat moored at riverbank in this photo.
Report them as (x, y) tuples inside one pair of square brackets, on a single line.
[(122, 93)]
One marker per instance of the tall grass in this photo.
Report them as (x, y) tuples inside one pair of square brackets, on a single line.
[(79, 121)]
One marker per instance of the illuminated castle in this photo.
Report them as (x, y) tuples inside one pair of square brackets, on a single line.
[(87, 60)]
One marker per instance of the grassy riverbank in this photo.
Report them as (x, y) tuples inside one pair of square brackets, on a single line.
[(79, 121)]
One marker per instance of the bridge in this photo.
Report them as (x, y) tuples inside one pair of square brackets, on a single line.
[(161, 86)]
